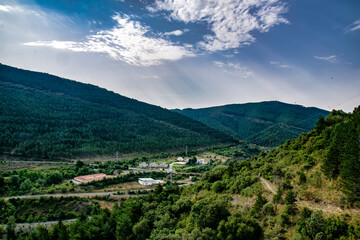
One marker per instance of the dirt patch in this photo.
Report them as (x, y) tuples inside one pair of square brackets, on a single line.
[(207, 156), (328, 209)]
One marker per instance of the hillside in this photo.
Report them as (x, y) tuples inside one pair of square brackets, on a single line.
[(309, 188), (316, 178), (50, 117), (264, 123)]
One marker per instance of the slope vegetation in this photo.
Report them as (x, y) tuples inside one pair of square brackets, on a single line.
[(50, 117), (264, 123), (308, 189), (316, 178)]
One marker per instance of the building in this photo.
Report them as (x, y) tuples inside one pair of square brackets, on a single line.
[(149, 181), (89, 178), (180, 159), (200, 161), (153, 165), (163, 165), (143, 165)]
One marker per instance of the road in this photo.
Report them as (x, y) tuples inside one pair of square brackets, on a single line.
[(170, 167), (268, 185), (89, 194), (69, 195), (43, 162), (28, 226), (45, 224)]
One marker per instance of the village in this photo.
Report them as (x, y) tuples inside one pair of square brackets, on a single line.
[(142, 168)]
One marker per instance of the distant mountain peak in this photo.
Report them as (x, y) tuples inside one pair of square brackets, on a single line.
[(258, 122)]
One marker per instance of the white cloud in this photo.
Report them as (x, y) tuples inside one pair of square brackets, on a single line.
[(331, 58), (280, 64), (7, 8), (355, 25), (231, 21), (176, 32), (127, 41), (234, 69)]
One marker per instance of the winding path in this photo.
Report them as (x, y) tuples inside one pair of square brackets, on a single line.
[(268, 185)]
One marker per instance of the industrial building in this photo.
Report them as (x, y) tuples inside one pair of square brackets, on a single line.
[(149, 181)]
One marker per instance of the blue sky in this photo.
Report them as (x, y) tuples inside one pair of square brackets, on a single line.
[(182, 53)]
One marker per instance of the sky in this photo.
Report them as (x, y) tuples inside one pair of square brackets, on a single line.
[(193, 53)]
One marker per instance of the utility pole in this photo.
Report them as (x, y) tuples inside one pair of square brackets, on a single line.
[(117, 157), (186, 151)]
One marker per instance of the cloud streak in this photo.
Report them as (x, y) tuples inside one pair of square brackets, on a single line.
[(355, 26), (127, 41), (331, 59), (280, 64), (231, 21)]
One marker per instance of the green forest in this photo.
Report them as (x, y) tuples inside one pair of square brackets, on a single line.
[(48, 117), (319, 168), (265, 123)]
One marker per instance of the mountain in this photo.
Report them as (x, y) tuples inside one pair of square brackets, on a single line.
[(308, 188), (265, 123), (50, 117)]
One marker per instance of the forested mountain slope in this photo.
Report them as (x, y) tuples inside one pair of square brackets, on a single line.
[(47, 116), (264, 123), (315, 175), (316, 178)]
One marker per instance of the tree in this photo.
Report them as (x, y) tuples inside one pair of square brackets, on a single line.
[(142, 229), (238, 227), (60, 232), (320, 124), (63, 189), (192, 161), (208, 212), (290, 197), (302, 177), (42, 233), (290, 200), (260, 202), (10, 228), (124, 227), (79, 164)]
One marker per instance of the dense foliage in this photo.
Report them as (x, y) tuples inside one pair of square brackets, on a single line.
[(165, 214), (33, 181), (333, 147), (43, 209), (49, 117), (172, 214), (213, 208), (265, 123)]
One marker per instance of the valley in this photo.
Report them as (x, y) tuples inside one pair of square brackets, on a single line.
[(77, 160)]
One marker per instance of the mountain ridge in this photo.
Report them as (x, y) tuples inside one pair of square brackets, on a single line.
[(255, 122), (48, 116)]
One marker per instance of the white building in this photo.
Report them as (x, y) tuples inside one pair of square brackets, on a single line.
[(180, 159), (200, 161), (149, 181), (143, 165)]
